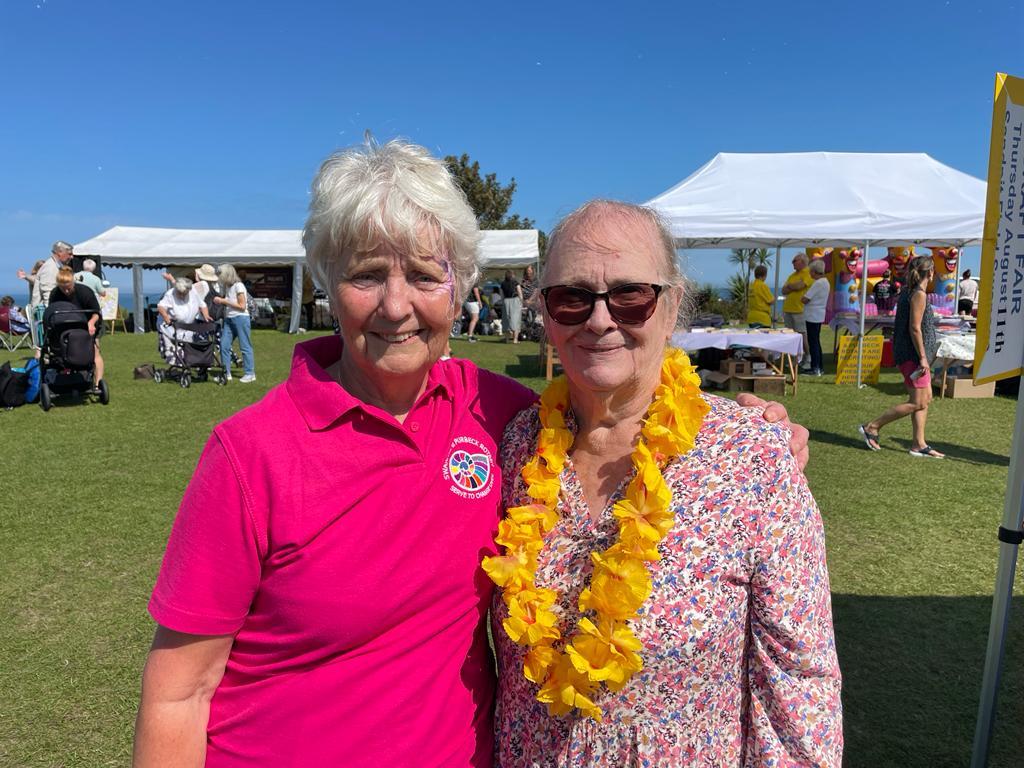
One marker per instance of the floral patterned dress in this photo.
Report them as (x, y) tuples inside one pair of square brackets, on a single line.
[(739, 655)]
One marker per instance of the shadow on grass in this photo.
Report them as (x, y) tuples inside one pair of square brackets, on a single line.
[(852, 440), (526, 366), (960, 453), (912, 676)]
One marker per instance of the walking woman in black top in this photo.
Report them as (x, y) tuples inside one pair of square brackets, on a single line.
[(914, 345)]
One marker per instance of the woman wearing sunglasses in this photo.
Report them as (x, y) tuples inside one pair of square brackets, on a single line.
[(664, 596)]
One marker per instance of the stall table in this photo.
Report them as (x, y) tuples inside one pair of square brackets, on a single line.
[(784, 342), (954, 349)]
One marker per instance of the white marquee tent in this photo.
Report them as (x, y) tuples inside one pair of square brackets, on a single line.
[(152, 247), (824, 198)]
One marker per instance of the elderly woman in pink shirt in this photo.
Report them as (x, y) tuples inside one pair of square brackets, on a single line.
[(321, 600)]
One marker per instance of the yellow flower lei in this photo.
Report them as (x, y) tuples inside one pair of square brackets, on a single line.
[(604, 648)]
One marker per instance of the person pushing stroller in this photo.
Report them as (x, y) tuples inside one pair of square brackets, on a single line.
[(81, 297)]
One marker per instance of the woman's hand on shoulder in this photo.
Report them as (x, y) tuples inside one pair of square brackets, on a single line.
[(776, 413)]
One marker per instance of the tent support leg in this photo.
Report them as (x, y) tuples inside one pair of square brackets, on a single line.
[(296, 318), (138, 299), (775, 304), (863, 309)]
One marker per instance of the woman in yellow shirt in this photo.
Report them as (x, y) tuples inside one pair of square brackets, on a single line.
[(759, 300)]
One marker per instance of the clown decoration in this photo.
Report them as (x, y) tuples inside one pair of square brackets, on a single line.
[(898, 258), (846, 270), (943, 286)]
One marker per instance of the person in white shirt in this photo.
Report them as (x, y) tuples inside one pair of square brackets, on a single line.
[(814, 301), (968, 294), (181, 304), (236, 322), (88, 277)]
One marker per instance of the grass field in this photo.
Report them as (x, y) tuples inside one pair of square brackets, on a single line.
[(89, 494)]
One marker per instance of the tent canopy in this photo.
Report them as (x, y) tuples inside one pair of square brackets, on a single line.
[(804, 199), (159, 246), (140, 247)]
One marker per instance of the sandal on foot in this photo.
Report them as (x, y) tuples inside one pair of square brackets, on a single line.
[(926, 452), (870, 438)]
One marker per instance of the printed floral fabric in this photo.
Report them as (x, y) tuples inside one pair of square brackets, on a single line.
[(739, 655)]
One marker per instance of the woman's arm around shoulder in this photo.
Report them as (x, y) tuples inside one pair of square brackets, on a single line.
[(181, 674)]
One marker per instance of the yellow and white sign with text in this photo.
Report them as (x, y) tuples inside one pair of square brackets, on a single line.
[(1000, 345)]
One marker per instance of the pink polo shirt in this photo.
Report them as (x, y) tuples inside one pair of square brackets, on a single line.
[(343, 549)]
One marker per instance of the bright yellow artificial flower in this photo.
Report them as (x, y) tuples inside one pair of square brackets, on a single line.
[(646, 512), (543, 516), (566, 689), (554, 402), (636, 547), (553, 445), (538, 661), (530, 619), (606, 653), (515, 568), (617, 588), (541, 484), (512, 534)]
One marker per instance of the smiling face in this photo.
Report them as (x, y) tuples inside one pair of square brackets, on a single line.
[(606, 249), (395, 313)]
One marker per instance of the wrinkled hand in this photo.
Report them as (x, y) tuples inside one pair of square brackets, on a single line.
[(776, 412)]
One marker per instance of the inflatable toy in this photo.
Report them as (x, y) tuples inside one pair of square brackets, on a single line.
[(898, 258), (943, 285)]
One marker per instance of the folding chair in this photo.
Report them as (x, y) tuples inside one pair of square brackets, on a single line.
[(10, 338)]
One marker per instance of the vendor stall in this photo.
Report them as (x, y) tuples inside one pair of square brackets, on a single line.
[(812, 199), (257, 251)]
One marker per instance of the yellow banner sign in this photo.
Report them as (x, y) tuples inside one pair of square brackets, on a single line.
[(846, 365), (1000, 345)]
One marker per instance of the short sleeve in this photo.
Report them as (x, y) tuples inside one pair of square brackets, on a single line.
[(211, 569), (501, 398), (795, 709)]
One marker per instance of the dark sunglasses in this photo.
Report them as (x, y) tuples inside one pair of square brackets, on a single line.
[(629, 304)]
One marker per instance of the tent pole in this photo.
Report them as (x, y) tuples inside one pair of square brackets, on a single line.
[(956, 291), (775, 304), (296, 318), (138, 299), (863, 309), (1009, 538)]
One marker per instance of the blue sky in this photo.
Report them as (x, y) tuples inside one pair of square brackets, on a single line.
[(200, 114)]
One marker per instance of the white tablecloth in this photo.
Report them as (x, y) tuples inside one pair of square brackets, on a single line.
[(954, 346), (772, 341)]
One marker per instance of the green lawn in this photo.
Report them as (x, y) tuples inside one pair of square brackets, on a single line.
[(90, 492)]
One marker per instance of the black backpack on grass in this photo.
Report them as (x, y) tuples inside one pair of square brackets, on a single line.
[(13, 385)]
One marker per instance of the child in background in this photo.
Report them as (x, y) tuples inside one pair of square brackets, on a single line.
[(884, 294)]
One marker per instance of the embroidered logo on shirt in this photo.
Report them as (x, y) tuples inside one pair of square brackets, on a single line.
[(469, 468)]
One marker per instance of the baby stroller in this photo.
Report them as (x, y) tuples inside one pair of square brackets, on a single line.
[(67, 362), (191, 351)]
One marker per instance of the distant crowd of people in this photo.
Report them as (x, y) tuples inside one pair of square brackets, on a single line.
[(215, 295), (209, 294), (509, 303)]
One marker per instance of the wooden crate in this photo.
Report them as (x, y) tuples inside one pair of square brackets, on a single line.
[(759, 385)]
